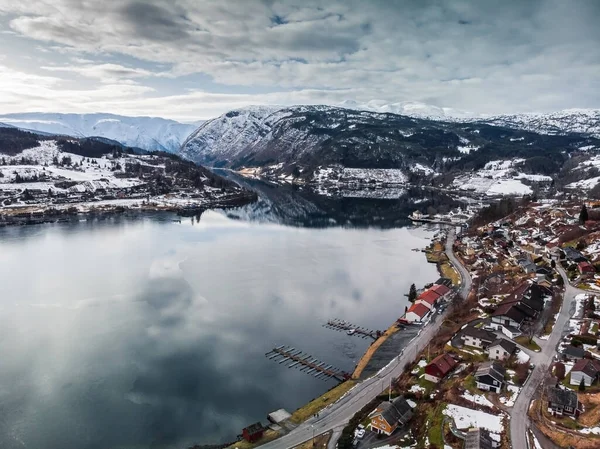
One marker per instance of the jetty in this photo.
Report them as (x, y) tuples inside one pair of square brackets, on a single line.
[(351, 329), (305, 363)]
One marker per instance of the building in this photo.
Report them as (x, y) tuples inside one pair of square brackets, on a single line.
[(490, 376), (428, 298), (416, 312), (563, 402), (573, 255), (439, 368), (586, 369), (501, 349), (444, 281), (571, 352), (477, 438), (253, 433), (444, 291), (390, 415), (586, 268), (279, 416), (527, 265), (508, 319), (478, 338)]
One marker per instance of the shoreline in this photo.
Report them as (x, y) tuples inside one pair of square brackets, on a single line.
[(45, 214)]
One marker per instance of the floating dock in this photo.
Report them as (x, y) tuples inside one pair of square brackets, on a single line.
[(305, 363), (351, 329)]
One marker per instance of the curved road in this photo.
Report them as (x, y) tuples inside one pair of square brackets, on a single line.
[(519, 421), (338, 414)]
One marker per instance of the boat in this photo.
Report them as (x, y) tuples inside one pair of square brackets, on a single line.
[(351, 331)]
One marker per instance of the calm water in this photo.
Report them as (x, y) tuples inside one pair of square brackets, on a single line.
[(149, 333)]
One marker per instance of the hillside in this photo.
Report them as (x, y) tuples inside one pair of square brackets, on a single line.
[(148, 133), (48, 176), (324, 144)]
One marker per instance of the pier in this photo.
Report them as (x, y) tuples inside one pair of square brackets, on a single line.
[(351, 329), (306, 363)]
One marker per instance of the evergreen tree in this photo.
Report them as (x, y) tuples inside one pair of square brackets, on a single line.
[(582, 385), (583, 215), (553, 263), (412, 293)]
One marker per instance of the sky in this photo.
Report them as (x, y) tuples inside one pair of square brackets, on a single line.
[(195, 59)]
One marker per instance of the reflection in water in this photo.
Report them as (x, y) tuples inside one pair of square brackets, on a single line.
[(149, 333)]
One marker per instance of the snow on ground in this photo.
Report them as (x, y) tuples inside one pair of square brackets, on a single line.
[(466, 418), (509, 187), (420, 168), (514, 392), (416, 389), (589, 183), (522, 356), (535, 178), (360, 175), (477, 399), (422, 363), (536, 443), (588, 430), (413, 404), (467, 149)]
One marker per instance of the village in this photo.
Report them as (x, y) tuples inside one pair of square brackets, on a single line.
[(514, 363)]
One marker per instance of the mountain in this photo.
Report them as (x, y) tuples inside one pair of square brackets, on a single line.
[(148, 133), (410, 108), (336, 146)]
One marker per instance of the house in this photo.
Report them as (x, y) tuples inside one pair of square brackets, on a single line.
[(573, 255), (585, 267), (439, 368), (476, 438), (563, 402), (571, 352), (444, 291), (428, 298), (586, 369), (501, 349), (479, 338), (527, 265), (390, 415), (490, 376), (416, 312), (508, 319), (253, 433)]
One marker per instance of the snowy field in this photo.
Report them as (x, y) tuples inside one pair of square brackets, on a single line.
[(466, 418)]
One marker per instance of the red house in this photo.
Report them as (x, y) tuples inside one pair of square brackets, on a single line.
[(428, 298), (253, 433), (585, 267), (439, 368), (416, 312)]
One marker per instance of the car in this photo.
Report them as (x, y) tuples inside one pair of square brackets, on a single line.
[(360, 433)]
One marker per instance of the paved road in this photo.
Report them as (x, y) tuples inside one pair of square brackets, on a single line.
[(465, 286), (519, 421), (336, 416)]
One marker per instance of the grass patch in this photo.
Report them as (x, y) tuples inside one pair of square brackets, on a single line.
[(318, 404), (523, 340), (594, 328), (435, 419), (447, 270)]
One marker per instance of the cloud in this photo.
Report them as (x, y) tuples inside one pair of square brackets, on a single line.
[(481, 56)]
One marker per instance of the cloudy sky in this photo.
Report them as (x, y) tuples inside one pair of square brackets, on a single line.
[(194, 59)]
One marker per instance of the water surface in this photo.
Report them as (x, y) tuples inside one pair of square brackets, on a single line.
[(151, 334)]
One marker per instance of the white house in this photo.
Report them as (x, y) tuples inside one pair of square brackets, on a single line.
[(501, 349), (586, 369), (478, 338), (416, 312)]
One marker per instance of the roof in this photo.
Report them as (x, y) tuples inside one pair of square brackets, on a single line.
[(418, 309), (253, 428), (444, 363), (585, 264), (505, 344), (279, 415), (574, 351), (399, 410), (566, 398), (587, 366), (440, 289), (493, 369), (482, 334), (429, 296), (444, 281), (511, 311), (477, 439)]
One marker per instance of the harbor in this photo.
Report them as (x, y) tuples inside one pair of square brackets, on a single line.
[(306, 363)]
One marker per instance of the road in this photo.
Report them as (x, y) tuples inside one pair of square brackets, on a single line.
[(519, 421), (337, 415), (465, 286)]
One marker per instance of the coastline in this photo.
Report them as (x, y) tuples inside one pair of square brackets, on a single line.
[(41, 214)]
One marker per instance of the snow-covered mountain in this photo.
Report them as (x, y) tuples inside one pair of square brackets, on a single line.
[(585, 121), (346, 147), (148, 133), (410, 108)]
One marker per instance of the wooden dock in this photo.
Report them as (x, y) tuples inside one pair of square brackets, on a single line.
[(306, 363), (351, 329)]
